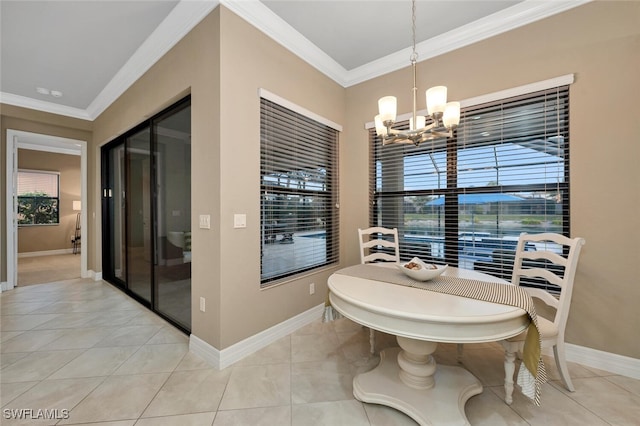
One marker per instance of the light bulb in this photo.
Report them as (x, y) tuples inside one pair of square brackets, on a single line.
[(436, 99), (387, 107), (421, 121), (381, 129), (451, 115)]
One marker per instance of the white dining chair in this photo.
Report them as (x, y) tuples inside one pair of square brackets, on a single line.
[(554, 261), (378, 244)]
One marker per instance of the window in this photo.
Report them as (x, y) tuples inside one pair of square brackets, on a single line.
[(464, 201), (298, 184), (38, 197)]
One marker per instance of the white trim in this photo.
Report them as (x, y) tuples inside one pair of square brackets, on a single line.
[(521, 14), (53, 149), (187, 14), (44, 172), (182, 19), (11, 257), (96, 276), (520, 90), (618, 364), (4, 286), (205, 351), (537, 86), (11, 228), (265, 20), (45, 253), (263, 93), (234, 353), (38, 105)]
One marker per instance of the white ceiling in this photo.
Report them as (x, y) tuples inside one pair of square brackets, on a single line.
[(93, 50)]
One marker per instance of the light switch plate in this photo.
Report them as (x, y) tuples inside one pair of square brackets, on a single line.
[(205, 221), (239, 220)]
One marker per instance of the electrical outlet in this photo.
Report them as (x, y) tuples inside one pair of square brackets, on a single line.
[(205, 221), (202, 307), (312, 288), (239, 220)]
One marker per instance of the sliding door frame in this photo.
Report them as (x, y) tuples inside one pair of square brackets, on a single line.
[(107, 210)]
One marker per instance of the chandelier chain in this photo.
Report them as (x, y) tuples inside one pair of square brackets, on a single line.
[(414, 54)]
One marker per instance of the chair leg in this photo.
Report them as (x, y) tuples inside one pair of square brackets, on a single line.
[(561, 363), (510, 350), (372, 340)]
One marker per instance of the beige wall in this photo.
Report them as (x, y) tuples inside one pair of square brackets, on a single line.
[(224, 61), (22, 119), (249, 61), (54, 237), (604, 54)]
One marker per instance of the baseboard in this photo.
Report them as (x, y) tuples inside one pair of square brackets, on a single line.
[(205, 351), (234, 353), (4, 286), (45, 253), (618, 364), (96, 276)]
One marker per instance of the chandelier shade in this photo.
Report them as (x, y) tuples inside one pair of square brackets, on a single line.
[(444, 116)]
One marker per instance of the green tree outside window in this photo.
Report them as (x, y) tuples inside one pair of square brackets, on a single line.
[(38, 199), (37, 208)]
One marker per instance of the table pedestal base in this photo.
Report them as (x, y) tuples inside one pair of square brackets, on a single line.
[(441, 404)]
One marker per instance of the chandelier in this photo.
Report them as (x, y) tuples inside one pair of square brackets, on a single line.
[(444, 116)]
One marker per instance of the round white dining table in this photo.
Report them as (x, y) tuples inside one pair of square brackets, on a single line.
[(407, 378)]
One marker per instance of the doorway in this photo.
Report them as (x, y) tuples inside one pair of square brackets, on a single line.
[(146, 210), (16, 140)]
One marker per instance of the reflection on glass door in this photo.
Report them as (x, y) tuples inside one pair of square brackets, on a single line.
[(114, 258), (173, 215), (146, 180), (139, 259)]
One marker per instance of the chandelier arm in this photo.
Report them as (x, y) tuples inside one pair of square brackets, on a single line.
[(415, 135)]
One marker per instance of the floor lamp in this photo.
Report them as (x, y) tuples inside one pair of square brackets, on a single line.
[(77, 206)]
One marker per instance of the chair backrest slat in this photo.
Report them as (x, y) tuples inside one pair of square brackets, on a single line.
[(548, 262), (374, 237), (547, 255)]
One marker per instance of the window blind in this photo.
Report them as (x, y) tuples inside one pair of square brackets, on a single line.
[(32, 182), (298, 182), (464, 200)]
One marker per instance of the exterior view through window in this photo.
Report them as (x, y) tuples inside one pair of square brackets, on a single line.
[(38, 197), (298, 183), (464, 201)]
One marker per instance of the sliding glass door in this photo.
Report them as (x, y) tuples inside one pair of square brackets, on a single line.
[(114, 264), (146, 176), (139, 244), (173, 215)]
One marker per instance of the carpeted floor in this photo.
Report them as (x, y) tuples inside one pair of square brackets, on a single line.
[(46, 269)]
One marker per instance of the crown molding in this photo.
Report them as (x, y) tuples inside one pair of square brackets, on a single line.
[(38, 105), (505, 20), (265, 20), (184, 16), (188, 13)]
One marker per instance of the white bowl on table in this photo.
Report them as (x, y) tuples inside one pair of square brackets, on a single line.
[(427, 271)]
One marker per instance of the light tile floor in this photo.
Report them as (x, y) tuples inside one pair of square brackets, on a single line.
[(85, 347), (44, 269)]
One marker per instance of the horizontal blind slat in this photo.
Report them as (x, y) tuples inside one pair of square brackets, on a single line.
[(457, 201), (299, 223)]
